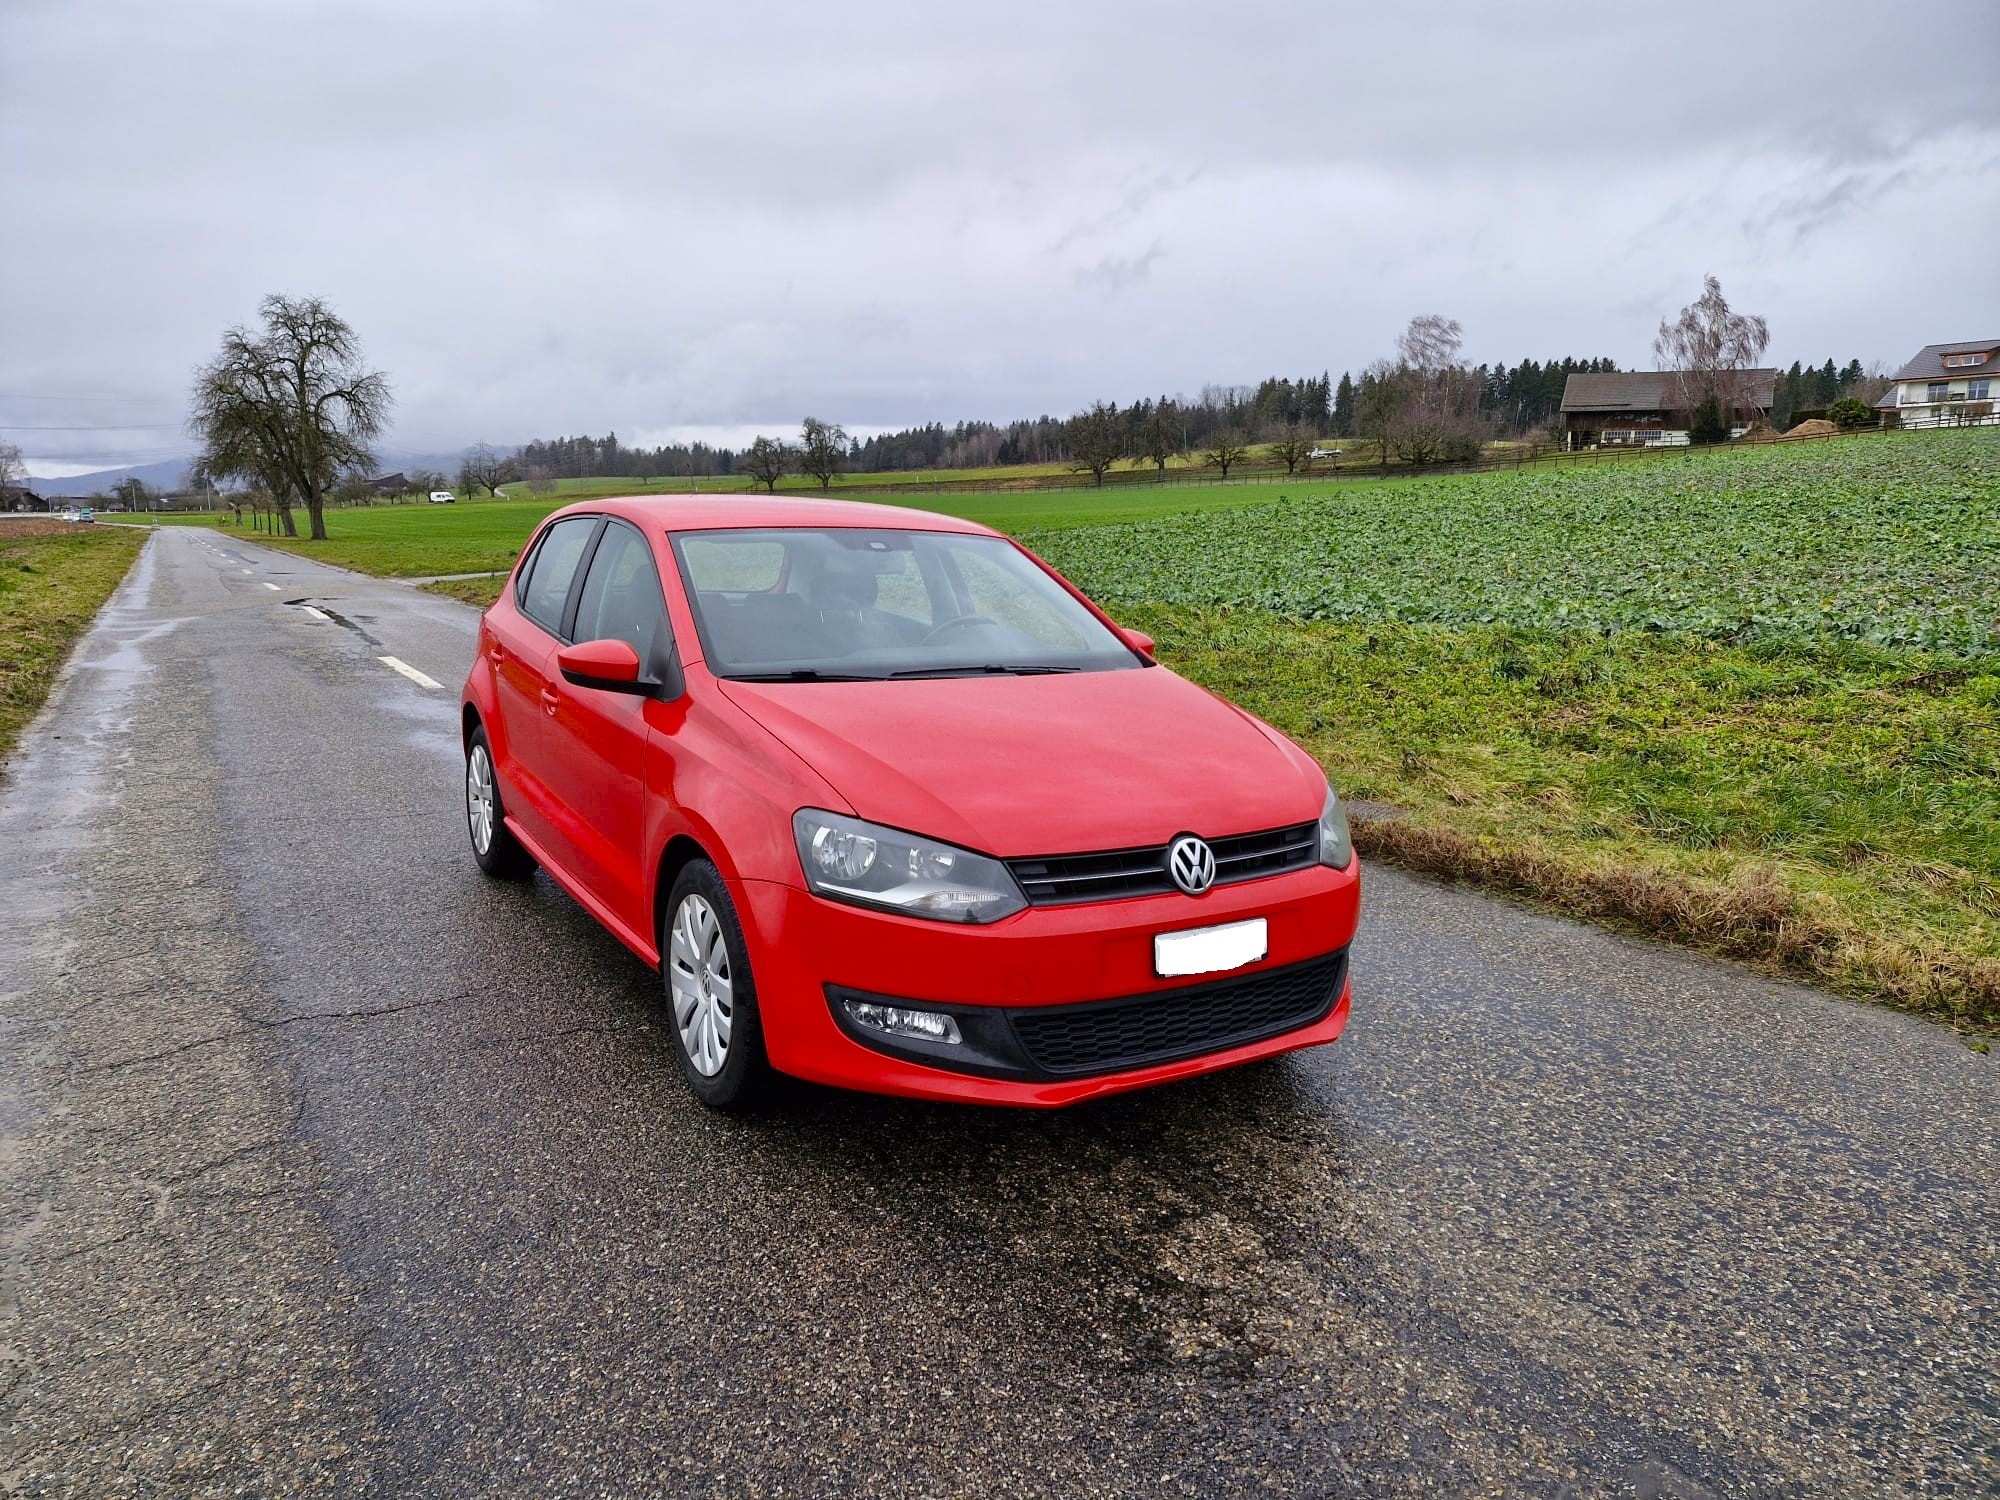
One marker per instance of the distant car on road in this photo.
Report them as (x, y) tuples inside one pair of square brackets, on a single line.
[(895, 808), (85, 513), (70, 513), (1319, 453), (442, 497)]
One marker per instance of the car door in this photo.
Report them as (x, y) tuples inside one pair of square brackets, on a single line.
[(521, 645), (599, 778)]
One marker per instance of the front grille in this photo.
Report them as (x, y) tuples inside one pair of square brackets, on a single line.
[(1111, 1035), (1061, 879)]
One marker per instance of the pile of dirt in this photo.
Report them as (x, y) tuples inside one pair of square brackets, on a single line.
[(1817, 427), (1760, 434)]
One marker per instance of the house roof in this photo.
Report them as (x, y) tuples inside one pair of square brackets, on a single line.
[(1928, 362), (1647, 390)]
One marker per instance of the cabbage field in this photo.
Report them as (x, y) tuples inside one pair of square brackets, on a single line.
[(1892, 539)]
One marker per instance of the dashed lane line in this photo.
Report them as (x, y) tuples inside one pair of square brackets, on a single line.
[(272, 587), (419, 678)]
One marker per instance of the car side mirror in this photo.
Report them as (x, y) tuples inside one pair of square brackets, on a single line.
[(1138, 640), (611, 666)]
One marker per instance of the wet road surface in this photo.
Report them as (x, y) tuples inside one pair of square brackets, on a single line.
[(327, 1166)]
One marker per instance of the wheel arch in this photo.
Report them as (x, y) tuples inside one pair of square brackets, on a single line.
[(681, 851)]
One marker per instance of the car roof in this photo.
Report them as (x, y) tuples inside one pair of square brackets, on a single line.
[(730, 511)]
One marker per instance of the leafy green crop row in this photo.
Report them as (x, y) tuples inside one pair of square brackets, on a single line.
[(1893, 540)]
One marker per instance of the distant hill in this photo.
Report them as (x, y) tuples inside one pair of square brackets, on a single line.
[(171, 473), (166, 474)]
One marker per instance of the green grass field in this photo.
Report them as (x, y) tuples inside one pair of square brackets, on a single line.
[(418, 541), (1747, 700), (52, 583)]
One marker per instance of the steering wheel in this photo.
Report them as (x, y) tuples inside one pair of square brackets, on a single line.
[(957, 622)]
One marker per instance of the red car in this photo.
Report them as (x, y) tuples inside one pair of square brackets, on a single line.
[(894, 807)]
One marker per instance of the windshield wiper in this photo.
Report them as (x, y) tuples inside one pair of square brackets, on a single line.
[(987, 669), (804, 674)]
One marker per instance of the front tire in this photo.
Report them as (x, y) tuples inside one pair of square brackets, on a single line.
[(499, 853), (711, 997)]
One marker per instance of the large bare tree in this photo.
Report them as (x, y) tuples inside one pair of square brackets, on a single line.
[(1709, 349), (485, 469), (1225, 451), (290, 406), (766, 460), (1293, 448), (1096, 440), (13, 472), (1161, 436), (822, 450)]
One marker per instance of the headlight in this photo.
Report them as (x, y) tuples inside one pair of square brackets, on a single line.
[(846, 859), (1336, 845)]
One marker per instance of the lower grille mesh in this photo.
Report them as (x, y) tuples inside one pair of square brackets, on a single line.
[(1112, 1035)]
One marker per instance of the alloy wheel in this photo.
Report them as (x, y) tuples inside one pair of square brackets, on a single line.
[(479, 798), (703, 996)]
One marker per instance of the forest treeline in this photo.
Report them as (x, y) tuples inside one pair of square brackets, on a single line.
[(1510, 400)]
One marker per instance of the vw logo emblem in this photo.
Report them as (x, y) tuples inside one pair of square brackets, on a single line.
[(1191, 863)]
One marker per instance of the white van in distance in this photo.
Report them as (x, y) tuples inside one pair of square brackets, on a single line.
[(441, 497)]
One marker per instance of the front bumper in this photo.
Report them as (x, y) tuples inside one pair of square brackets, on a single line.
[(1050, 959)]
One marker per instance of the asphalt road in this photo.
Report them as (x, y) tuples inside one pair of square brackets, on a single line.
[(327, 1166)]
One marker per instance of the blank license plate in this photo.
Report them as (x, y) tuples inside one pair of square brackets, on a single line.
[(1210, 950)]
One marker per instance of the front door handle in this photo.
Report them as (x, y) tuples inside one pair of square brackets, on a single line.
[(550, 699)]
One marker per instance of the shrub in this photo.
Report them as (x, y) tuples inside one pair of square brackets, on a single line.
[(1850, 412)]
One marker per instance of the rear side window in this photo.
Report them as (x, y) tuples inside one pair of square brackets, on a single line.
[(553, 569)]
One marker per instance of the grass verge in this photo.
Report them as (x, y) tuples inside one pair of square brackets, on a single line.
[(52, 583), (1825, 809)]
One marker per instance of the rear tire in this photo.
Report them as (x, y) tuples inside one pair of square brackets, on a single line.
[(499, 853), (711, 997)]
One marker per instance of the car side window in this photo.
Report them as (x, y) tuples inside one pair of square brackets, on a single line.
[(621, 598), (554, 569)]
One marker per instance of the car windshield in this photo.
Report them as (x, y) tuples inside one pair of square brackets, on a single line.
[(804, 604)]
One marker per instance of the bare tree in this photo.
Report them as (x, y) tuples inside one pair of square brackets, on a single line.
[(1096, 440), (1160, 436), (822, 450), (1385, 391), (291, 406), (485, 469), (1429, 346), (540, 477), (767, 460), (1708, 348), (13, 472), (1293, 448), (1225, 451)]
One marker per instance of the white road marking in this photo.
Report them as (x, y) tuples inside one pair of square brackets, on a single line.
[(246, 570), (272, 587), (317, 614), (410, 672)]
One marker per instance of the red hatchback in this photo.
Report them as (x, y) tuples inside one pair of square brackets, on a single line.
[(894, 807)]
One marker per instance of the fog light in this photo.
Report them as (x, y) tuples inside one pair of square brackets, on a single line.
[(892, 1020)]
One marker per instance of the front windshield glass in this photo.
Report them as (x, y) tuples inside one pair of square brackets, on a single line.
[(802, 603)]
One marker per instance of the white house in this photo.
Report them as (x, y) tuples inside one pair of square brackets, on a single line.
[(1945, 385)]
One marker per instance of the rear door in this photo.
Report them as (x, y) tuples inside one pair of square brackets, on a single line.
[(523, 647), (598, 781)]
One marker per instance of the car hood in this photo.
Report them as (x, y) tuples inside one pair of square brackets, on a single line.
[(1059, 764)]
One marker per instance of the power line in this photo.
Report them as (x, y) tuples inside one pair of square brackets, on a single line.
[(128, 400), (109, 427)]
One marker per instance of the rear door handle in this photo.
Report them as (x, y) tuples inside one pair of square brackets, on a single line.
[(497, 652)]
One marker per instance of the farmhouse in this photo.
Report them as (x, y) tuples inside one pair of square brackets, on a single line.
[(1946, 385), (389, 484), (1644, 408), (18, 497)]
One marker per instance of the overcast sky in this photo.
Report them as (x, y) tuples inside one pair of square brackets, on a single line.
[(673, 221)]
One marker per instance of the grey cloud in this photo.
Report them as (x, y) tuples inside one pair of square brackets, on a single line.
[(547, 217)]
